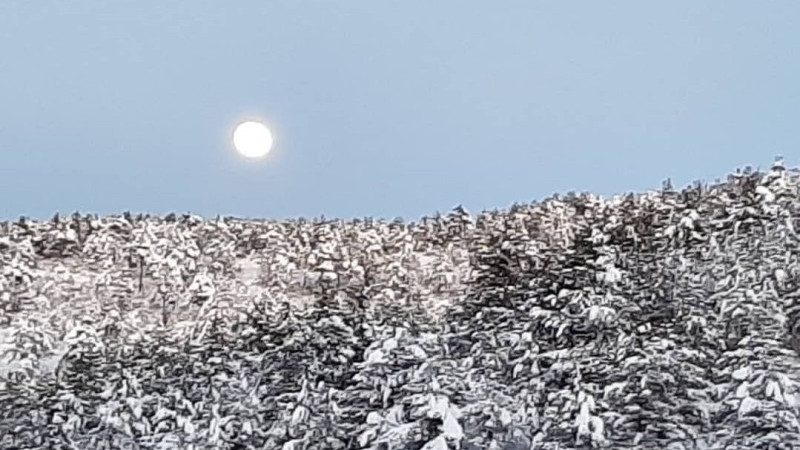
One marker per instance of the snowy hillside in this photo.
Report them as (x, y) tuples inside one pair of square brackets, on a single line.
[(660, 320)]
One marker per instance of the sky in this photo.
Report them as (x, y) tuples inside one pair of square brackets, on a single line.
[(384, 109)]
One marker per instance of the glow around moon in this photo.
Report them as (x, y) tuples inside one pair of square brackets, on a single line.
[(252, 139)]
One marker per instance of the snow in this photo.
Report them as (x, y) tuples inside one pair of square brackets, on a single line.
[(704, 315)]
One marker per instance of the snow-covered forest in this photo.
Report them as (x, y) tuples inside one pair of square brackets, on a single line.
[(659, 320)]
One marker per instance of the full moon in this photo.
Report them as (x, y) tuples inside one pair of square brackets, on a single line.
[(252, 139)]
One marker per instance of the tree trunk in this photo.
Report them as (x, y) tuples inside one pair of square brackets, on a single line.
[(141, 274)]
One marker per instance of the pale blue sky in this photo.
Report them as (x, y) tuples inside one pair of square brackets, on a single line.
[(383, 108)]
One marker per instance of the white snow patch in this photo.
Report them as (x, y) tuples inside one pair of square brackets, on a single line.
[(250, 270)]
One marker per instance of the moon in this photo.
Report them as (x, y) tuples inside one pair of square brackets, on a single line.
[(252, 139)]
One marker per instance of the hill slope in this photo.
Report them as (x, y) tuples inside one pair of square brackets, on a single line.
[(659, 320)]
